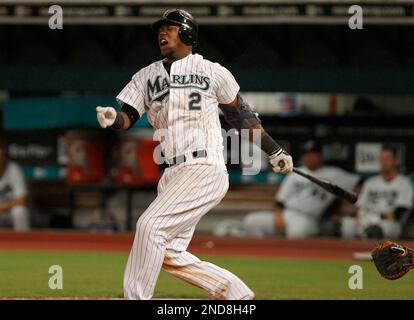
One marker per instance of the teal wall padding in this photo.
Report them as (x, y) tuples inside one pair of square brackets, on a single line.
[(59, 112)]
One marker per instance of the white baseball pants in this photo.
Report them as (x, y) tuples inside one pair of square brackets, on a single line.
[(186, 192)]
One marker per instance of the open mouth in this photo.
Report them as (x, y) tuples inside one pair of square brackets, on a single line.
[(163, 42)]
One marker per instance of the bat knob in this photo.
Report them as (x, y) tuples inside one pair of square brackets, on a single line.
[(281, 164)]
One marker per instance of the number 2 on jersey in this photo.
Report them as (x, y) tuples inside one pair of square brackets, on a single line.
[(195, 99)]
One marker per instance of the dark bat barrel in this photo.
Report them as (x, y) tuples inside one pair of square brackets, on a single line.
[(331, 188), (326, 185)]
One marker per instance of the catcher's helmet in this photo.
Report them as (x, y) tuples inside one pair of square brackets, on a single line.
[(188, 26)]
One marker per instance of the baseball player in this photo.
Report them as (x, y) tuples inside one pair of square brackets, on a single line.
[(181, 95), (300, 203), (384, 204), (13, 193)]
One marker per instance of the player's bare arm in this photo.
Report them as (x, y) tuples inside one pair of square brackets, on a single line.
[(122, 120), (240, 116)]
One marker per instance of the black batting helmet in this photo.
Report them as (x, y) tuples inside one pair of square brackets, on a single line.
[(188, 26)]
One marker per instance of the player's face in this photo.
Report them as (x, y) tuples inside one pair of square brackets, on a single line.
[(388, 161), (169, 40), (312, 160)]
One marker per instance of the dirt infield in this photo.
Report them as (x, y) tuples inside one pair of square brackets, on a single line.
[(201, 245)]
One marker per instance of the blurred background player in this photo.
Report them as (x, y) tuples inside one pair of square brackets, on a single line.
[(13, 193), (384, 203), (300, 203)]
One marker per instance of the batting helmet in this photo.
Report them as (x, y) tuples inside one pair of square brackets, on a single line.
[(188, 26)]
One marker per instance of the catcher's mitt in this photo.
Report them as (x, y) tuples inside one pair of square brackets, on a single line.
[(392, 260)]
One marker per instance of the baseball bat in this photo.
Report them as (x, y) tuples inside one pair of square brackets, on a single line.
[(326, 185)]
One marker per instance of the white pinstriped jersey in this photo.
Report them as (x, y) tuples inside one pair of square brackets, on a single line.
[(183, 105)]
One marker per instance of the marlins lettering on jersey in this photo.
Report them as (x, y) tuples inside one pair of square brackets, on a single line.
[(185, 102), (159, 88)]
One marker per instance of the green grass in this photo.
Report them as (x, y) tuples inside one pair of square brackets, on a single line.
[(25, 274)]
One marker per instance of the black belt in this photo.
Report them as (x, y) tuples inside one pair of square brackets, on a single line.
[(182, 158)]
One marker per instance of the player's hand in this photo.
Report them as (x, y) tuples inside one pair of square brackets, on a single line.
[(281, 161), (106, 116)]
